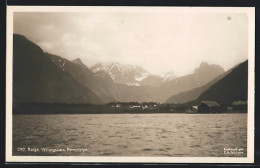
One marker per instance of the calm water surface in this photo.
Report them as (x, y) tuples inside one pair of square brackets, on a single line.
[(130, 134)]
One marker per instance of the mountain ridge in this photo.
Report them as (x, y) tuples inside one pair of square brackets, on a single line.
[(36, 79), (132, 75), (201, 75), (232, 87), (127, 74), (100, 83), (192, 94), (84, 76)]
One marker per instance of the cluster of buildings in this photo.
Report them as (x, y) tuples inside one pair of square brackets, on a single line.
[(214, 107), (140, 106), (203, 107)]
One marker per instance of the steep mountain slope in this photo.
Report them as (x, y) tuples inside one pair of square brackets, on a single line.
[(232, 87), (37, 79), (193, 94), (201, 75), (100, 86)]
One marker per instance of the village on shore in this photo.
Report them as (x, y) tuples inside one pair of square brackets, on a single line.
[(203, 107)]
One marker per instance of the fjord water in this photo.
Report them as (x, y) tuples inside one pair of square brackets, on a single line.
[(197, 135)]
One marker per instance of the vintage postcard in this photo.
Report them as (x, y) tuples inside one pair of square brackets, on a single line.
[(130, 84)]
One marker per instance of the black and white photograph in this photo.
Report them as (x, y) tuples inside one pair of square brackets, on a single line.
[(130, 84)]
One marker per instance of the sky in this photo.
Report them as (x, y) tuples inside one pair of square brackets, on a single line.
[(157, 41)]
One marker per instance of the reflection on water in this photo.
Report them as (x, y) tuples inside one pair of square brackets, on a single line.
[(130, 134)]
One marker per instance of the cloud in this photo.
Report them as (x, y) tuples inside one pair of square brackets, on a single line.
[(157, 41)]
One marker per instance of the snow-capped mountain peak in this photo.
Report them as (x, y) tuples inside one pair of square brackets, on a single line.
[(167, 76), (130, 75)]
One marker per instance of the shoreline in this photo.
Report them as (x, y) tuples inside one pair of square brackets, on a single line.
[(127, 113), (34, 109)]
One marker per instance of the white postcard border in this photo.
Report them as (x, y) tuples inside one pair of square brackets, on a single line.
[(250, 11)]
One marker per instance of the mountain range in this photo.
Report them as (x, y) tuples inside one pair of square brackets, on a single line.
[(48, 78), (131, 75)]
